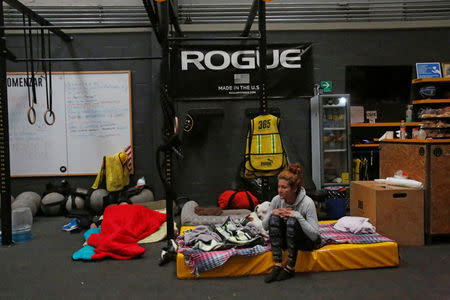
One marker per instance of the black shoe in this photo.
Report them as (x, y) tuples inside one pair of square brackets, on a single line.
[(273, 275), (168, 253), (285, 273), (166, 256)]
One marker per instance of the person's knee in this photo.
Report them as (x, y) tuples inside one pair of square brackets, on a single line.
[(292, 226), (275, 228), (275, 221), (292, 222)]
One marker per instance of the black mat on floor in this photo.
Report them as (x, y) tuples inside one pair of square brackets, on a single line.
[(43, 269)]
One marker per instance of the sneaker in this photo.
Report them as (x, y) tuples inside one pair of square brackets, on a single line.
[(273, 275), (72, 225), (168, 253), (285, 274)]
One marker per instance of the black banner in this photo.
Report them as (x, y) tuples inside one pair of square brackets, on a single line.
[(232, 71)]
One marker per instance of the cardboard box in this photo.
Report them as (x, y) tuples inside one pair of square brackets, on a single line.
[(396, 212)]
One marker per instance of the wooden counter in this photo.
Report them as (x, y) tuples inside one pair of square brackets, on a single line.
[(427, 161)]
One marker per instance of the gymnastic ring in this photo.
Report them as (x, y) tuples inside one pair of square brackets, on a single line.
[(50, 114), (188, 123), (31, 112), (175, 126)]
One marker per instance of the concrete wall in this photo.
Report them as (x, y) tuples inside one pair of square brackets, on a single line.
[(212, 159)]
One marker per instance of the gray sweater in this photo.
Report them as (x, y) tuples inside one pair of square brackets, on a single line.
[(305, 213)]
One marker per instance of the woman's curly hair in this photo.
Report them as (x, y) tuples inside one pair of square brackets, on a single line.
[(293, 174)]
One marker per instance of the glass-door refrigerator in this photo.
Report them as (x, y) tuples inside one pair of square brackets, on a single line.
[(330, 140)]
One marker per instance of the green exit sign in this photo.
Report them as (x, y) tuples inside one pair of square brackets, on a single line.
[(327, 86)]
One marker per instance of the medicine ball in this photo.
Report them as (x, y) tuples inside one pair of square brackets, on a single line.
[(28, 199), (74, 202), (52, 204), (96, 199)]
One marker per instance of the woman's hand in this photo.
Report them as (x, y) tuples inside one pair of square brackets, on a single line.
[(287, 212), (283, 212), (277, 212)]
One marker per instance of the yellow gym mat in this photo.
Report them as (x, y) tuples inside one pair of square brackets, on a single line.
[(334, 257)]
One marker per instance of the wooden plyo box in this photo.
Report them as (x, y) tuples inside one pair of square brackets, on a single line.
[(396, 212), (427, 161)]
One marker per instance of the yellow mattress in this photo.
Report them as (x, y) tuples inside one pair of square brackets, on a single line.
[(328, 258)]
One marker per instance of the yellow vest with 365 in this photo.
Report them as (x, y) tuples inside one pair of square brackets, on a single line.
[(264, 155)]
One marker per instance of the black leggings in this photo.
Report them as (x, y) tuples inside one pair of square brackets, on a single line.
[(288, 234)]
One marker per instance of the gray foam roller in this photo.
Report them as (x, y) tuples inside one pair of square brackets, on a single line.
[(144, 196)]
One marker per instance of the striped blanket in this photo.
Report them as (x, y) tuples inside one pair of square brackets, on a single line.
[(330, 235), (201, 261)]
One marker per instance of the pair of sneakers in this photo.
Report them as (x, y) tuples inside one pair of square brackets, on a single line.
[(73, 225), (279, 273)]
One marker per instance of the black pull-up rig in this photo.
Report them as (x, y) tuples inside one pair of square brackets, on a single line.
[(30, 60)]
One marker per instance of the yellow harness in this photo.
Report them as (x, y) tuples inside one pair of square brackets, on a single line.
[(356, 168), (264, 154)]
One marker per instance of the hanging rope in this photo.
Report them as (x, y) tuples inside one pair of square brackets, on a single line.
[(48, 81), (31, 113), (33, 79)]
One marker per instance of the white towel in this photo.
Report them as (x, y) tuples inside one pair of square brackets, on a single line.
[(354, 225), (404, 182)]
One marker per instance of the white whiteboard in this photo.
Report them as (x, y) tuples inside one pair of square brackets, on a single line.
[(93, 119)]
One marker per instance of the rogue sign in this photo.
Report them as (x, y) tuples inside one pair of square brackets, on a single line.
[(233, 71), (243, 60)]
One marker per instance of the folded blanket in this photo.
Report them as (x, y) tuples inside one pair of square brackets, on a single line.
[(122, 227), (330, 235)]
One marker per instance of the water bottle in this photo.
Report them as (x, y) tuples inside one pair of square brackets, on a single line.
[(403, 130), (332, 141), (422, 133), (409, 113), (415, 133)]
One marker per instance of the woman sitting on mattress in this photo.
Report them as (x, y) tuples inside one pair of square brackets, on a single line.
[(291, 221)]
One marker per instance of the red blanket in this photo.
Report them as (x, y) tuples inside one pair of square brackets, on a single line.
[(122, 227)]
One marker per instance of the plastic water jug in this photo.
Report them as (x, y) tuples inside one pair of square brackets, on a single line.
[(21, 221)]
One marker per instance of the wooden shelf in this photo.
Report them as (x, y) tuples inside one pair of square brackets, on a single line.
[(431, 80), (435, 128), (365, 145), (431, 101), (389, 124), (427, 141), (435, 118)]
